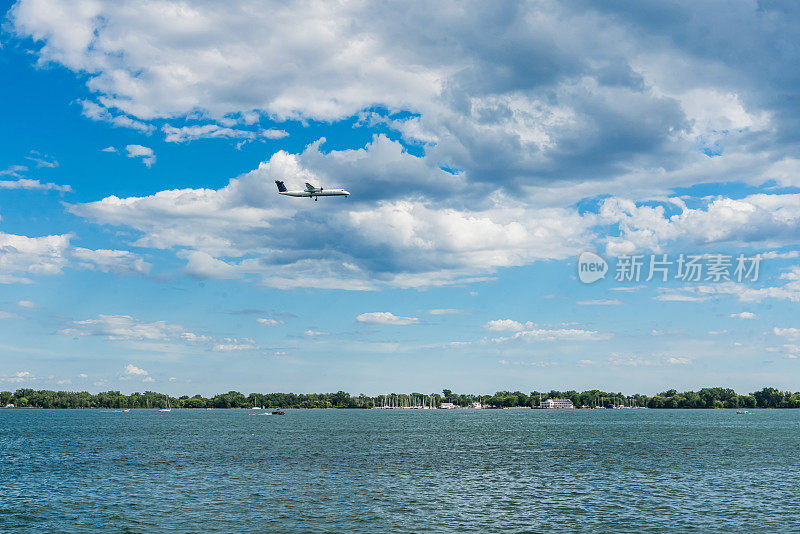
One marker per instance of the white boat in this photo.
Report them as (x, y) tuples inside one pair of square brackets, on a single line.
[(167, 409), (742, 412)]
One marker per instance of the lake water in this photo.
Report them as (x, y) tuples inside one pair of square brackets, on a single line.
[(399, 471)]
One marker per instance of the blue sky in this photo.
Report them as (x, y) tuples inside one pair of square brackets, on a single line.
[(143, 244)]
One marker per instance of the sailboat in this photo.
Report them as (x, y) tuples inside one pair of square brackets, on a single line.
[(167, 409)]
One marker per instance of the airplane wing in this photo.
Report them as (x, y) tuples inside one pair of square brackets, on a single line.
[(310, 188)]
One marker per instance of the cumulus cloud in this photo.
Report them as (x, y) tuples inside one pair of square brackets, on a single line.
[(767, 219), (26, 304), (146, 154), (603, 92), (386, 318), (22, 257), (131, 369), (229, 232), (508, 147), (743, 315)]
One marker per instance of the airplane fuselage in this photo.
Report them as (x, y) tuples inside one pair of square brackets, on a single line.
[(318, 193)]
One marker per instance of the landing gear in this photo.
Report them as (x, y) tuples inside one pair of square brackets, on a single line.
[(316, 199)]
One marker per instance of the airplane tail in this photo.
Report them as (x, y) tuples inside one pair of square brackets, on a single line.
[(281, 187)]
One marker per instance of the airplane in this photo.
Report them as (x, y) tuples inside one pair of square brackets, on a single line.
[(311, 192)]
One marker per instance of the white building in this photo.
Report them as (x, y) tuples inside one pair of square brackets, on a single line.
[(447, 406), (476, 405), (556, 403)]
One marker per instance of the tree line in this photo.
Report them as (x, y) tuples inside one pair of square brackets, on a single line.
[(767, 397)]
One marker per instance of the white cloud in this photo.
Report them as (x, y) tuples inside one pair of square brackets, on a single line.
[(386, 318), (607, 101), (145, 153), (14, 170), (269, 321), (448, 311), (132, 370), (314, 333), (22, 257), (26, 304), (83, 375), (598, 107), (31, 256), (318, 62), (678, 361), (774, 255), (527, 364), (629, 289), (756, 219), (600, 302), (507, 325), (679, 297), (561, 334), (42, 160), (121, 262), (229, 232), (97, 112), (215, 131), (743, 315), (26, 183), (159, 336), (18, 377), (172, 379), (122, 327), (8, 315), (790, 333), (233, 345), (110, 149), (629, 360)]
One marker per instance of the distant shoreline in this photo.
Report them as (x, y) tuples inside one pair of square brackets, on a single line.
[(706, 398)]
